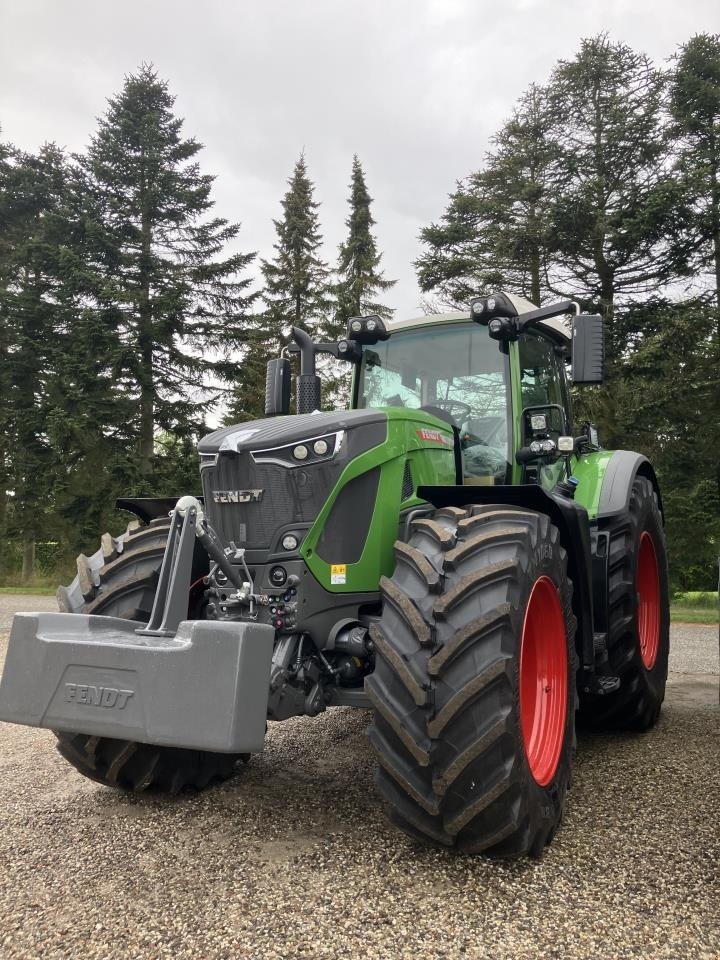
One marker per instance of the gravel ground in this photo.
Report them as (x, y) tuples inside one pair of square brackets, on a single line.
[(294, 859)]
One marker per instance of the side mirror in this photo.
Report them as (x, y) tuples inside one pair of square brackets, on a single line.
[(588, 348), (277, 387)]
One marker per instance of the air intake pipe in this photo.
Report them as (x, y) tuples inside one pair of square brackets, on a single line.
[(308, 382)]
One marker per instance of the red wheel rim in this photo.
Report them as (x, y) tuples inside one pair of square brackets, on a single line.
[(543, 680), (647, 587)]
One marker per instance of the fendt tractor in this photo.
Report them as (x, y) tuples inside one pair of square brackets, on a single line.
[(451, 553)]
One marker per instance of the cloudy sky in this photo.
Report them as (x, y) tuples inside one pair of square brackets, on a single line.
[(414, 87)]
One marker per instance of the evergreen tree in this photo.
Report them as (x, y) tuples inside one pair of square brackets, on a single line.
[(495, 231), (35, 307), (613, 199), (297, 284), (360, 279), (695, 107), (297, 293), (178, 303), (668, 407)]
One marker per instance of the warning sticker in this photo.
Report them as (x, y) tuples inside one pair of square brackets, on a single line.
[(338, 573)]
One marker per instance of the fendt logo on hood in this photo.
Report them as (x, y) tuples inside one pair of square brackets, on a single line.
[(434, 436), (237, 496)]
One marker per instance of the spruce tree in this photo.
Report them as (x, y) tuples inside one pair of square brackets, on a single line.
[(695, 107), (35, 308), (297, 291), (360, 279), (613, 198), (297, 281), (495, 231), (177, 301)]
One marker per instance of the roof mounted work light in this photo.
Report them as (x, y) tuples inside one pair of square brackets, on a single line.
[(367, 329), (483, 309)]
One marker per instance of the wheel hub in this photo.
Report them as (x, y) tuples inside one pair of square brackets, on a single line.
[(647, 587), (543, 680)]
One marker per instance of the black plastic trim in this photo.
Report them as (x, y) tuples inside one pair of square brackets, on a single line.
[(346, 529), (622, 468)]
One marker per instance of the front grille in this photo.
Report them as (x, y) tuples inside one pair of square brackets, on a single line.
[(289, 496)]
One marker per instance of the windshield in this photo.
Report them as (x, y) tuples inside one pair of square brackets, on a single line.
[(454, 371)]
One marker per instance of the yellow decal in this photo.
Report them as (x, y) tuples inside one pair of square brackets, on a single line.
[(337, 573)]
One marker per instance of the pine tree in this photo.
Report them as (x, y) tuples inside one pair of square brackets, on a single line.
[(695, 107), (297, 284), (613, 196), (360, 279), (178, 303), (668, 407), (35, 307), (495, 231), (297, 293)]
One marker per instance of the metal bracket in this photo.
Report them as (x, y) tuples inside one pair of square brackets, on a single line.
[(170, 606)]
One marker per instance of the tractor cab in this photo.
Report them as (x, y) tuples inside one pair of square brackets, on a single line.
[(499, 381)]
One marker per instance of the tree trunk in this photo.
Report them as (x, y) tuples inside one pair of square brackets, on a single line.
[(715, 222), (535, 289), (145, 338), (28, 562)]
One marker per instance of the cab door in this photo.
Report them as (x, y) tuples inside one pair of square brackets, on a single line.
[(543, 390)]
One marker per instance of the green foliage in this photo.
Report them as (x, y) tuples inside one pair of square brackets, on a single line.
[(119, 319), (695, 110), (38, 303), (696, 598)]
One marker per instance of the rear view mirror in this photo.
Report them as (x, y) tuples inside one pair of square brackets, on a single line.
[(277, 387), (588, 348)]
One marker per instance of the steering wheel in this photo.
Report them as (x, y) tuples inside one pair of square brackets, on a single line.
[(493, 426)]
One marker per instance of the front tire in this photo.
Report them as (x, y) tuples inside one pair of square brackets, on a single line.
[(120, 580), (474, 683)]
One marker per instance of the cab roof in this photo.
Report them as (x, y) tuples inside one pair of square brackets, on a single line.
[(559, 326)]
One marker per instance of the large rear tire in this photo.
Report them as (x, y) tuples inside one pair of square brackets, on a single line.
[(474, 686), (119, 580), (638, 639)]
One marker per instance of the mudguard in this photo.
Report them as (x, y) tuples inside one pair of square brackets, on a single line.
[(605, 479), (621, 470), (206, 688)]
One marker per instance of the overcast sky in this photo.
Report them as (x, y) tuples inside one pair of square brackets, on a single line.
[(414, 87)]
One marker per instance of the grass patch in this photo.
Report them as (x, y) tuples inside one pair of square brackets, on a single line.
[(681, 614), (30, 590), (696, 600)]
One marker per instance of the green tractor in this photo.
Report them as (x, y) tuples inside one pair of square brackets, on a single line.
[(452, 553)]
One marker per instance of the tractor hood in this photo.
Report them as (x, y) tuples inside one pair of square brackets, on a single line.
[(264, 478), (279, 431)]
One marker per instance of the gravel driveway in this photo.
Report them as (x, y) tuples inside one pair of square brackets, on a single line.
[(294, 859)]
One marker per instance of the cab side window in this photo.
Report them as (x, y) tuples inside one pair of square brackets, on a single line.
[(542, 377)]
